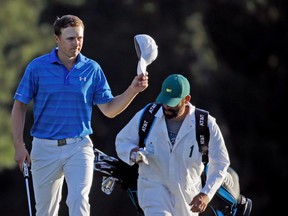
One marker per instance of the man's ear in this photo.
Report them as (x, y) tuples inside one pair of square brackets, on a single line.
[(56, 38), (187, 98)]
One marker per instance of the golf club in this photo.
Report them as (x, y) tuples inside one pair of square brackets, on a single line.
[(26, 176)]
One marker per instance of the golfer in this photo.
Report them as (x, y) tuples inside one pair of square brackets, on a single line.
[(64, 85)]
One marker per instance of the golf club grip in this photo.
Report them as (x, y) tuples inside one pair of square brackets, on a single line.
[(25, 170)]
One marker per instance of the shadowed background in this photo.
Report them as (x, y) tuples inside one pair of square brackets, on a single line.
[(234, 52)]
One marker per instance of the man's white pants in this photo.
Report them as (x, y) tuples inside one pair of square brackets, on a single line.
[(51, 163)]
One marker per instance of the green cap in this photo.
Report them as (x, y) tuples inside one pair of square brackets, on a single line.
[(174, 88)]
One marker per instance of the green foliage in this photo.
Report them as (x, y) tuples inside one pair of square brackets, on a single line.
[(21, 39), (6, 150), (69, 2)]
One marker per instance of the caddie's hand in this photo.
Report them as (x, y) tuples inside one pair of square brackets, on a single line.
[(138, 155), (140, 82), (199, 203)]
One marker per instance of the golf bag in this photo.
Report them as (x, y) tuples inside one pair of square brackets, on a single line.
[(114, 171), (226, 202)]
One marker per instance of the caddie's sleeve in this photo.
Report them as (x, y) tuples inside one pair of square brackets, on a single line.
[(218, 160), (128, 139)]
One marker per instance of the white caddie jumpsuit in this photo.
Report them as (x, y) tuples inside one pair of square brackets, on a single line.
[(168, 183)]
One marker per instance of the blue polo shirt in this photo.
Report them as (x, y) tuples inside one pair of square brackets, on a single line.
[(62, 99)]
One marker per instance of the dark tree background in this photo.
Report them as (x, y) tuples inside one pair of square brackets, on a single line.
[(234, 52)]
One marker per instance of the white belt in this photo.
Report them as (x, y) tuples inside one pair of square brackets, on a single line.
[(62, 142)]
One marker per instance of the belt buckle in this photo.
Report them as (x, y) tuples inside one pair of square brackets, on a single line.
[(62, 142)]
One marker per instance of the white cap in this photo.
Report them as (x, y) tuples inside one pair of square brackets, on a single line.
[(147, 51)]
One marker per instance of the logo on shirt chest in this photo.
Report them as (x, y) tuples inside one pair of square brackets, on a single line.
[(82, 79)]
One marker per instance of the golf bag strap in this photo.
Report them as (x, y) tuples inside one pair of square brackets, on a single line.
[(202, 133), (202, 137), (146, 121)]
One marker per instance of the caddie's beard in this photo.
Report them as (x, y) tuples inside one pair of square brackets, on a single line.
[(170, 114)]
